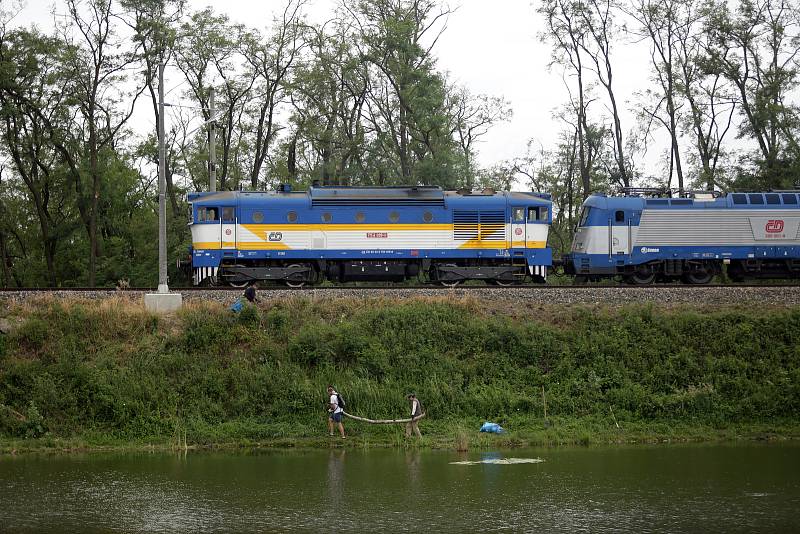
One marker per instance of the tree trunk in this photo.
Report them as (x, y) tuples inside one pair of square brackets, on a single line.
[(95, 191), (4, 260)]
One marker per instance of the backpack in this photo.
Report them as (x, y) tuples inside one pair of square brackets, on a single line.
[(340, 401)]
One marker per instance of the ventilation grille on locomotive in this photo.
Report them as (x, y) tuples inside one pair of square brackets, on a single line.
[(479, 226)]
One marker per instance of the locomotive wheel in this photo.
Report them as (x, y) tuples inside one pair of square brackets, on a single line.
[(699, 277), (504, 283), (449, 283), (295, 284), (238, 284), (641, 278)]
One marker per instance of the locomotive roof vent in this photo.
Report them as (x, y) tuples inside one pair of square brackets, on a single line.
[(467, 192), (377, 196)]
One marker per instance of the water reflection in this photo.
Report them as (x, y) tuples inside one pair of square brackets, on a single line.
[(336, 478), (644, 489)]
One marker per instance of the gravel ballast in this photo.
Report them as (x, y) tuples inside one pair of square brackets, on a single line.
[(551, 295)]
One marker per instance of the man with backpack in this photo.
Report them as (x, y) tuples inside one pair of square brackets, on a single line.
[(335, 411)]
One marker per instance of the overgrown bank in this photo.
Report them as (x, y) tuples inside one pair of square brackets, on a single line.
[(92, 373)]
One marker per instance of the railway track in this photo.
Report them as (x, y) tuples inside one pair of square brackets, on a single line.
[(429, 287)]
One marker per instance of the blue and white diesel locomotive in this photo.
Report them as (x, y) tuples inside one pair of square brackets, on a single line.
[(644, 238), (369, 233)]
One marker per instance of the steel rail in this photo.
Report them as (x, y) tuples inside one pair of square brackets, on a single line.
[(543, 287)]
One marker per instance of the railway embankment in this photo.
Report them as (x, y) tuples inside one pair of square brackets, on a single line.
[(96, 372), (661, 295)]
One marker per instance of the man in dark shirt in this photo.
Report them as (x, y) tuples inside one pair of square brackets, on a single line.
[(250, 293)]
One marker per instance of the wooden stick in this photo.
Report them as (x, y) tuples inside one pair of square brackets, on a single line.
[(613, 416), (383, 421)]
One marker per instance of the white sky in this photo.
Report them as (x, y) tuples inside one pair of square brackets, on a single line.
[(490, 46)]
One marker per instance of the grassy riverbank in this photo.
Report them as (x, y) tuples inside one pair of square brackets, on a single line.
[(76, 375)]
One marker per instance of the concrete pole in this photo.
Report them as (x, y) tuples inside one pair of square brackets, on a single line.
[(212, 143), (162, 186), (162, 301)]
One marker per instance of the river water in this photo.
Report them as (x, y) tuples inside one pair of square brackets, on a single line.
[(666, 488)]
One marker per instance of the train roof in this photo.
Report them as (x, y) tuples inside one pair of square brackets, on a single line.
[(370, 196), (755, 200)]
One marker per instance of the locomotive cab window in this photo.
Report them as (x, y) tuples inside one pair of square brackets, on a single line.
[(518, 215), (207, 214), (537, 214), (619, 216), (228, 215), (739, 198), (584, 216)]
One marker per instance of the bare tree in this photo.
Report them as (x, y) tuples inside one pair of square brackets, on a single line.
[(711, 106), (567, 33), (659, 22), (271, 60), (597, 17), (473, 116)]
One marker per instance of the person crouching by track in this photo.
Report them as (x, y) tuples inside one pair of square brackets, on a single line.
[(335, 411), (250, 293), (416, 411)]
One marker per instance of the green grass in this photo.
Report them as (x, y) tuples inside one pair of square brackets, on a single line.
[(83, 374)]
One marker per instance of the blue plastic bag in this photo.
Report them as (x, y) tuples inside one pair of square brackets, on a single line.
[(492, 428), (237, 306)]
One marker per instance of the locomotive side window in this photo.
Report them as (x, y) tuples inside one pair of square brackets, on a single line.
[(756, 199), (518, 215), (619, 216), (789, 199), (773, 198), (228, 215), (739, 198), (544, 214), (291, 216)]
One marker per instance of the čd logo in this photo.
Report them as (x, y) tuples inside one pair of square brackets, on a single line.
[(774, 226)]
